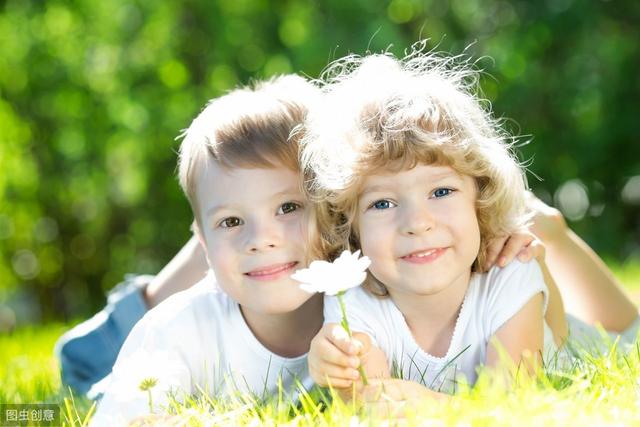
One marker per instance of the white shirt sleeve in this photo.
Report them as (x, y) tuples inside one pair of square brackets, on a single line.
[(508, 289), (147, 358)]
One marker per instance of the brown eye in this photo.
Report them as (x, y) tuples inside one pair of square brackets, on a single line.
[(288, 207), (230, 222)]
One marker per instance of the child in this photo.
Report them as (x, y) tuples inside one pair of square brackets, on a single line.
[(88, 351), (408, 166), (250, 326)]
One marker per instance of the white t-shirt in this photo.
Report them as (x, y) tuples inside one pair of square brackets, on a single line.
[(195, 341), (491, 300)]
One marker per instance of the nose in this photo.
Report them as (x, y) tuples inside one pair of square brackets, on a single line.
[(416, 220), (263, 237)]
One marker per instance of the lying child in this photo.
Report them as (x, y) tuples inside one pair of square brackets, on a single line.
[(251, 325), (408, 166)]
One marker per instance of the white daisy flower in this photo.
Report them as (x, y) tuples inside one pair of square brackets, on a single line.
[(348, 271)]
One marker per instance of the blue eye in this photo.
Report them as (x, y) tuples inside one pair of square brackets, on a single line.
[(288, 207), (382, 204), (442, 192), (231, 222)]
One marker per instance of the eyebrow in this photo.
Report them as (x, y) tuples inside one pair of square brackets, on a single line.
[(436, 177), (287, 191)]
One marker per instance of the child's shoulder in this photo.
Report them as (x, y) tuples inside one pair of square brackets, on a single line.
[(520, 274), (506, 285), (203, 302), (502, 291)]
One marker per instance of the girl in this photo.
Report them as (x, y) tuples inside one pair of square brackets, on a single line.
[(409, 166)]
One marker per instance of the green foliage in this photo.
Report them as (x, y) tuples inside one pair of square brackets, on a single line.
[(92, 95)]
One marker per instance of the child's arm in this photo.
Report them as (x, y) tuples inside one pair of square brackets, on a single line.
[(186, 268), (555, 315), (521, 337), (589, 289), (334, 358)]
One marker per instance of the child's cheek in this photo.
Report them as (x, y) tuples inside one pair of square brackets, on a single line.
[(370, 242), (296, 229)]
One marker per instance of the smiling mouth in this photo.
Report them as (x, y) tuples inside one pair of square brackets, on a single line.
[(272, 271), (424, 256)]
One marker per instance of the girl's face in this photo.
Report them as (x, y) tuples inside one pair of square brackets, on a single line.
[(419, 228)]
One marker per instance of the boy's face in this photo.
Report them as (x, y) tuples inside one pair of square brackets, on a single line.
[(420, 229), (254, 229)]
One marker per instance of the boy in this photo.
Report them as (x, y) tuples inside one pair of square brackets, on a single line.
[(251, 324)]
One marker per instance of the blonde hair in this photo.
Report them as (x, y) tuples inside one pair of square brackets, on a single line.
[(249, 127), (385, 114)]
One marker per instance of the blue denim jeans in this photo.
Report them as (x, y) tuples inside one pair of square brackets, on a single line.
[(89, 350)]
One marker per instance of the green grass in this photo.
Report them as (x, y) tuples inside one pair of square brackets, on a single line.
[(600, 391), (29, 373), (628, 273)]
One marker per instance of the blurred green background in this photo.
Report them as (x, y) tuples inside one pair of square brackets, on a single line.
[(93, 94)]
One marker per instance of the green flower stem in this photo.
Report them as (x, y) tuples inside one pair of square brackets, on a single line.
[(345, 325), (146, 385)]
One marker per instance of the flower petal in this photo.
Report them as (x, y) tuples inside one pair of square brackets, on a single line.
[(347, 271), (309, 288)]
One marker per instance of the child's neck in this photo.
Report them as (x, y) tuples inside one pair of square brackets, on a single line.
[(432, 318), (287, 334)]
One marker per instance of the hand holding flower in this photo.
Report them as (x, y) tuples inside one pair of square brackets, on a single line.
[(346, 272), (334, 358)]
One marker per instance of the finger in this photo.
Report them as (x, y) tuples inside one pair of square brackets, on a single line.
[(525, 255), (363, 341), (322, 378), (329, 353), (338, 372), (493, 250), (340, 338), (513, 246), (326, 374), (535, 250), (334, 383), (335, 334)]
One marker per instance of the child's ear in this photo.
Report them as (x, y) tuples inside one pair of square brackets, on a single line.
[(195, 229)]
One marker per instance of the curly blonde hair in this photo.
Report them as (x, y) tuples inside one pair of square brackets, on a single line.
[(384, 113)]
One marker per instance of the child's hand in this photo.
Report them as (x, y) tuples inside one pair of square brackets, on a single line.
[(522, 244), (392, 398), (334, 358)]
